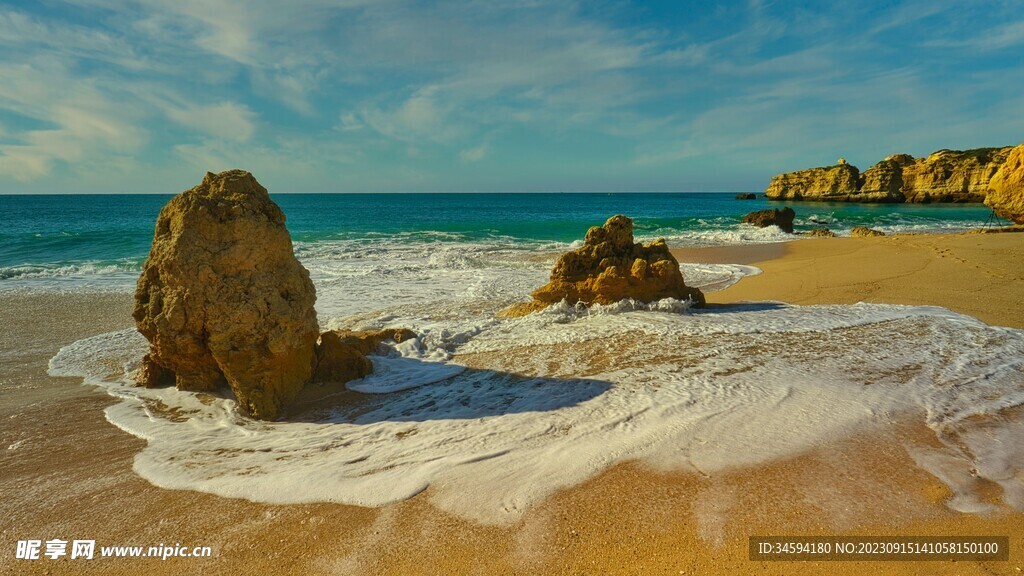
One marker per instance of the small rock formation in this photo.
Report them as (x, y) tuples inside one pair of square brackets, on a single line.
[(763, 218), (341, 355), (222, 298), (944, 176), (821, 233), (828, 183), (863, 231), (1007, 187), (610, 267), (152, 375), (746, 196)]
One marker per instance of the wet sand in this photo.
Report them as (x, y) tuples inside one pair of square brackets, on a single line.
[(66, 472), (975, 274)]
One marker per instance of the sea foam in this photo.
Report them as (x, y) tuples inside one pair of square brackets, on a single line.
[(495, 415)]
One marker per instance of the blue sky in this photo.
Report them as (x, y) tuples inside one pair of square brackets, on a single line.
[(524, 95)]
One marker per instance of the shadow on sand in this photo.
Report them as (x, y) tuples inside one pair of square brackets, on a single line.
[(473, 393), (737, 307)]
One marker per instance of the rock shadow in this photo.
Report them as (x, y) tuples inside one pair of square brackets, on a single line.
[(473, 393), (738, 307)]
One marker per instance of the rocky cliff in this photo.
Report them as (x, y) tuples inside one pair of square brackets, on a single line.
[(953, 176), (883, 182), (831, 182), (944, 176), (1007, 187)]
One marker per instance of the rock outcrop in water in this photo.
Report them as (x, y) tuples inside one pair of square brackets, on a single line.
[(820, 233), (865, 232), (773, 217), (944, 176), (341, 355), (1007, 187), (610, 267), (222, 298)]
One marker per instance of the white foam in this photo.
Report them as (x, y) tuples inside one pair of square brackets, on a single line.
[(404, 366), (713, 277), (732, 234), (566, 393), (86, 275), (367, 280)]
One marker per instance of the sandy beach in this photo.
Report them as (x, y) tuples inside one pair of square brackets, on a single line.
[(68, 473)]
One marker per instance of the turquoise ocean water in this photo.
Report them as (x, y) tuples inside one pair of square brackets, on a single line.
[(101, 240)]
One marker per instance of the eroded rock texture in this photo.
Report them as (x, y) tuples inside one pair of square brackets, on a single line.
[(952, 175), (943, 176), (222, 298), (1007, 187), (865, 232), (830, 182), (341, 355), (883, 182), (783, 218), (610, 267)]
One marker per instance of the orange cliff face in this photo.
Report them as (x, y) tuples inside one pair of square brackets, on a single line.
[(953, 176), (944, 176), (827, 183), (1007, 187)]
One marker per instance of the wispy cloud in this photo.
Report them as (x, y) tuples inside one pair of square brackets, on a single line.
[(474, 154), (408, 95), (1001, 37), (227, 120)]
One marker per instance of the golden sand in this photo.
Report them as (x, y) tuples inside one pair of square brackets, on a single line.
[(976, 274), (70, 475)]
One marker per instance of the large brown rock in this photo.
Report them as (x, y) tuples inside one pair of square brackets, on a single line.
[(829, 183), (222, 298), (610, 267), (1006, 196), (763, 218)]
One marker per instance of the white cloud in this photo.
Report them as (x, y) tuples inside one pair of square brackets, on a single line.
[(1007, 35), (420, 117), (226, 120), (194, 82), (473, 154), (349, 122), (79, 121), (909, 13)]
